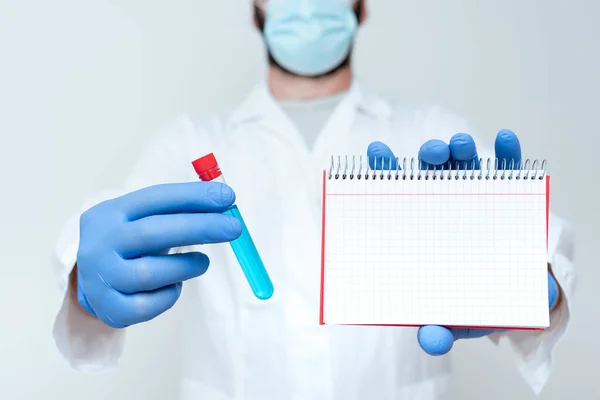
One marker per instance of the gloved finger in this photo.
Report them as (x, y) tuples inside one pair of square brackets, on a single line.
[(463, 152), (508, 150), (434, 154), (435, 340), (153, 272), (381, 157), (174, 198), (470, 333), (552, 290), (122, 310), (159, 232)]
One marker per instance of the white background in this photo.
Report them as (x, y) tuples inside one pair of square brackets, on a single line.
[(82, 83)]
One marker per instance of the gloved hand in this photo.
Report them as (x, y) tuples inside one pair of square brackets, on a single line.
[(461, 152), (124, 274)]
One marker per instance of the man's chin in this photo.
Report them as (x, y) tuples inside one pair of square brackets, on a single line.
[(344, 64)]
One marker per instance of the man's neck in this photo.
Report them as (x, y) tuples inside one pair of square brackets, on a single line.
[(284, 86)]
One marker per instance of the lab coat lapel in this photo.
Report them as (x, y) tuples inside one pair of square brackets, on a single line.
[(261, 108), (361, 118), (359, 109), (335, 131)]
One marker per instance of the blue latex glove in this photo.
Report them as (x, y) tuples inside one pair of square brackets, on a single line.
[(461, 152), (124, 274)]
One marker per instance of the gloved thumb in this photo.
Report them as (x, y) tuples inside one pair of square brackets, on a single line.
[(435, 340), (83, 301), (381, 157)]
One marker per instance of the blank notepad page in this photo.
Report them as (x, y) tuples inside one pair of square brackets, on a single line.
[(456, 252)]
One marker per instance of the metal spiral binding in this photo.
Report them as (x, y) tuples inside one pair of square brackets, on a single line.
[(353, 169)]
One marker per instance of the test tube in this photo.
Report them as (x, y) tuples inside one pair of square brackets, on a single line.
[(243, 247)]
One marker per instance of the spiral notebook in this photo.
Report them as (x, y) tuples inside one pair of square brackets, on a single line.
[(460, 247)]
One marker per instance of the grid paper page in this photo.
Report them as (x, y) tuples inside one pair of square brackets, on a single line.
[(445, 252)]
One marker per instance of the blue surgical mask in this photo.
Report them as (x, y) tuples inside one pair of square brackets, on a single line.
[(310, 37)]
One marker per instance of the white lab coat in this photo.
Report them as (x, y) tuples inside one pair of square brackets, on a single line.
[(261, 350)]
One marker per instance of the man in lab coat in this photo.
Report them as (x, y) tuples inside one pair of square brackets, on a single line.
[(115, 270)]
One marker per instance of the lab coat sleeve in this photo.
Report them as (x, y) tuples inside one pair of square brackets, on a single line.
[(86, 343), (533, 350)]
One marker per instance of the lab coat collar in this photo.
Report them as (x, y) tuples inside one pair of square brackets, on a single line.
[(260, 104)]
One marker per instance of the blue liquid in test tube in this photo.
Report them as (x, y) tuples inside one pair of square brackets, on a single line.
[(243, 247), (250, 260)]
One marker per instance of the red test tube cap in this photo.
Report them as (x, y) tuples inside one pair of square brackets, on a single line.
[(207, 167)]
